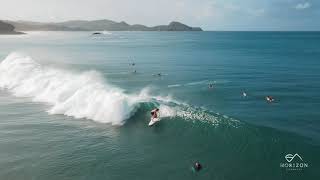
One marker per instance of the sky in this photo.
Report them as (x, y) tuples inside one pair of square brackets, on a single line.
[(229, 15)]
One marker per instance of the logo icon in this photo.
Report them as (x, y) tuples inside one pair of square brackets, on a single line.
[(290, 157), (294, 163)]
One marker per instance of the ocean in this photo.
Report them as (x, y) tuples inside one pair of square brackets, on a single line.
[(77, 106)]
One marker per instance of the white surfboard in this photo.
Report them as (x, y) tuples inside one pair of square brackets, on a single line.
[(153, 121)]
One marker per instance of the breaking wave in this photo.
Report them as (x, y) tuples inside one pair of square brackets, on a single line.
[(85, 94), (81, 95)]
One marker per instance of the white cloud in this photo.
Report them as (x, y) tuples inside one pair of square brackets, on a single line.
[(301, 6)]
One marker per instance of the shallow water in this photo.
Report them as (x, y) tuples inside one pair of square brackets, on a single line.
[(71, 106)]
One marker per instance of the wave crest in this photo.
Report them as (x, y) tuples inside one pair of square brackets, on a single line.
[(88, 95), (81, 95)]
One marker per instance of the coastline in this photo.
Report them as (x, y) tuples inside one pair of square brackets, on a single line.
[(12, 33)]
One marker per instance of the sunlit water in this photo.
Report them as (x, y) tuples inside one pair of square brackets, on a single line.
[(73, 106)]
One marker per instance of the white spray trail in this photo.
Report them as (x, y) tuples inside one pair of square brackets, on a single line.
[(86, 94)]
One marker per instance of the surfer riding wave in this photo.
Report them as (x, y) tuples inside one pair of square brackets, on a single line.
[(86, 94)]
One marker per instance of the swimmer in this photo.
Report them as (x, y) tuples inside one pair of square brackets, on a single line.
[(197, 166), (158, 74), (244, 94), (269, 99)]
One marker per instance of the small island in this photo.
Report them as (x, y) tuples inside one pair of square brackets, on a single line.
[(6, 28)]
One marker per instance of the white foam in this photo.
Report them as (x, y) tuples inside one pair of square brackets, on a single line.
[(174, 85), (85, 94), (106, 33), (166, 111), (80, 95), (196, 83)]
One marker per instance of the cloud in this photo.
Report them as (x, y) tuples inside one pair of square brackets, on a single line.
[(302, 6)]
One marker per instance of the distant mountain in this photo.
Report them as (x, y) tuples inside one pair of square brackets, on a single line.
[(37, 26), (176, 26), (6, 28), (97, 25)]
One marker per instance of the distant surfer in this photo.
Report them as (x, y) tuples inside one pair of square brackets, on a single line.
[(197, 166), (244, 94), (269, 99), (210, 85), (158, 74)]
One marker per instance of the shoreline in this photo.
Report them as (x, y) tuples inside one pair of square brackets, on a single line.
[(12, 33)]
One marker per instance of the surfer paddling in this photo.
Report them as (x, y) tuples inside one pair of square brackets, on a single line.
[(244, 94), (270, 99), (197, 166)]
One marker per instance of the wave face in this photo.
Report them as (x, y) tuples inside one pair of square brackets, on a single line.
[(81, 95), (88, 95)]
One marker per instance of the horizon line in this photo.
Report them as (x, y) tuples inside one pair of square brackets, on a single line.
[(204, 29)]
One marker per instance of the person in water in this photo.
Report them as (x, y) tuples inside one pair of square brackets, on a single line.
[(154, 113), (158, 74), (270, 99), (210, 85), (244, 94), (197, 166)]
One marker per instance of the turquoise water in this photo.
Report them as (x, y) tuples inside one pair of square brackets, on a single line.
[(71, 106)]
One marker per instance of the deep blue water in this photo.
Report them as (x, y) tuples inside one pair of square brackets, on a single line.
[(235, 137)]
